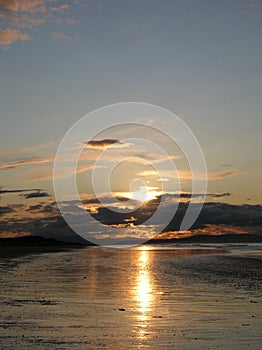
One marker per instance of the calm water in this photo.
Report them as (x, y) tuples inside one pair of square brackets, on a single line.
[(97, 298)]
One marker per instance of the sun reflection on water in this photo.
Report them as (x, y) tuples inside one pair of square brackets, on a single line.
[(144, 292)]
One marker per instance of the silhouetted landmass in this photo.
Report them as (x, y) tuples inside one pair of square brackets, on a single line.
[(12, 247), (34, 241), (227, 238)]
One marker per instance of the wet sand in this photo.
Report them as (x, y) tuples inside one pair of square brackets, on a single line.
[(149, 298)]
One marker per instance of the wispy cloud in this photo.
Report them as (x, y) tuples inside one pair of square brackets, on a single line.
[(254, 4), (60, 9), (18, 190), (47, 173), (223, 174), (61, 36), (187, 175), (226, 165), (24, 162), (20, 17), (12, 155)]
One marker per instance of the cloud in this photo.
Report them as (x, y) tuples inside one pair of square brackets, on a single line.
[(9, 36), (106, 143), (24, 162), (10, 208), (39, 174), (61, 36), (36, 194), (219, 195), (83, 168), (43, 208), (213, 213), (6, 209), (223, 174), (171, 175), (60, 9), (12, 8), (64, 172), (25, 151), (69, 21), (254, 4), (226, 165), (120, 152), (28, 14), (187, 175), (31, 6), (18, 190), (215, 218), (28, 22)]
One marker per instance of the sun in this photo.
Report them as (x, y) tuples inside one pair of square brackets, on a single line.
[(143, 194)]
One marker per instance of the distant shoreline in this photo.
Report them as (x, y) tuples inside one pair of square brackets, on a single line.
[(27, 245)]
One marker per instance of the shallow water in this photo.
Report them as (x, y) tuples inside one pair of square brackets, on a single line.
[(147, 298)]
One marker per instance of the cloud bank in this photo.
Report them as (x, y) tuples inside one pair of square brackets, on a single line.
[(45, 219)]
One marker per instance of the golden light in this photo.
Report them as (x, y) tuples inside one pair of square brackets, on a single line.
[(144, 293), (144, 286), (144, 194)]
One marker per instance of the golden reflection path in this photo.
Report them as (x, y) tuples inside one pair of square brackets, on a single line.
[(144, 292)]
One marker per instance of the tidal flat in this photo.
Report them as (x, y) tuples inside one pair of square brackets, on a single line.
[(150, 297)]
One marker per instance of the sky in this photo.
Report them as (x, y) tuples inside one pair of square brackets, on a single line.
[(60, 60)]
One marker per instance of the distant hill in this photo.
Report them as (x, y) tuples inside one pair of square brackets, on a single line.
[(227, 238), (27, 245), (37, 241)]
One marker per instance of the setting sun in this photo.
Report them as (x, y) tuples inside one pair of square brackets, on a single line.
[(144, 194)]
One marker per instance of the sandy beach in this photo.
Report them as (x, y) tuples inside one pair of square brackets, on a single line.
[(145, 298)]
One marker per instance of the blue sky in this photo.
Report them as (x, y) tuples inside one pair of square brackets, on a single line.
[(200, 59)]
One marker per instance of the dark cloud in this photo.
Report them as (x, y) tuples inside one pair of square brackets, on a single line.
[(6, 209), (18, 190), (220, 214), (37, 194), (212, 213), (219, 195), (10, 208), (105, 143), (36, 207), (49, 223)]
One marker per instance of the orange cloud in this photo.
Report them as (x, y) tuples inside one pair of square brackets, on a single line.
[(28, 14), (9, 36), (60, 9), (30, 6)]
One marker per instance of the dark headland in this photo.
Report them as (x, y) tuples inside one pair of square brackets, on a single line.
[(12, 247)]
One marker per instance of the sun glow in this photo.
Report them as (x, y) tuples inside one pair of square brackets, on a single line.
[(144, 194)]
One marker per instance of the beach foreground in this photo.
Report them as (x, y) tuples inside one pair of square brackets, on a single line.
[(145, 298)]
